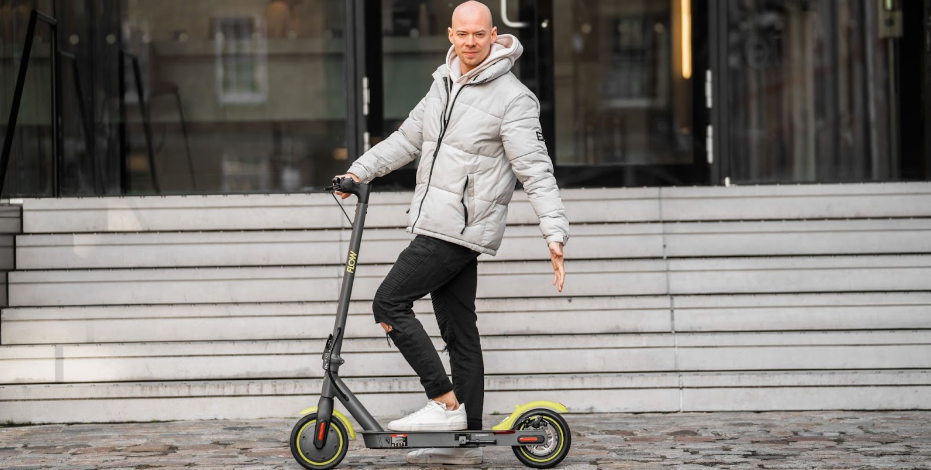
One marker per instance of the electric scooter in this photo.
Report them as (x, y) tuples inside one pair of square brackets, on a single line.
[(535, 431)]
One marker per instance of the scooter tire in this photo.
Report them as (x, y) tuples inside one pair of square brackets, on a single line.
[(303, 450), (558, 442)]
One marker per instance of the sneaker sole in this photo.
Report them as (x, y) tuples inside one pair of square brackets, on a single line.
[(429, 427), (449, 461)]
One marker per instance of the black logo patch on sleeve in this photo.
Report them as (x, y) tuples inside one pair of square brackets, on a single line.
[(540, 136)]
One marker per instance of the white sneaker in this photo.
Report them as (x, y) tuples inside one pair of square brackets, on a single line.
[(433, 417), (456, 456)]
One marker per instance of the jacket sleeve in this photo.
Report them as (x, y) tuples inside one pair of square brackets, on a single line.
[(399, 149), (523, 144)]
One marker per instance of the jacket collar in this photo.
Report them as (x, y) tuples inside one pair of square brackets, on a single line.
[(505, 52)]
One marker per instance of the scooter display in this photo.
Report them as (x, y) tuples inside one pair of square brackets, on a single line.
[(535, 431)]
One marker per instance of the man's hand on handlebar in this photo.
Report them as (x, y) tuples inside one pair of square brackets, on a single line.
[(347, 175)]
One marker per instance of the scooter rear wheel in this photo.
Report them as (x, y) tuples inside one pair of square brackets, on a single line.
[(558, 439), (304, 451)]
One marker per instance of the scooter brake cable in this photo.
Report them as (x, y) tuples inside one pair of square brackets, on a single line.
[(341, 207)]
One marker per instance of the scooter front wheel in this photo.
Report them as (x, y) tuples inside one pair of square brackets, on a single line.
[(558, 439), (304, 451)]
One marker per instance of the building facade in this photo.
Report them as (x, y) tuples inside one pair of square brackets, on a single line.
[(246, 96)]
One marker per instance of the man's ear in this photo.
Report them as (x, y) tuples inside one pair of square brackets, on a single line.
[(449, 32), (494, 33)]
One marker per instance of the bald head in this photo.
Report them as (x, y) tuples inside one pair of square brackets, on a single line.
[(472, 12), (472, 34)]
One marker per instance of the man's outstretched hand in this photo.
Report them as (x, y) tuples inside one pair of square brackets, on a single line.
[(347, 175), (558, 269)]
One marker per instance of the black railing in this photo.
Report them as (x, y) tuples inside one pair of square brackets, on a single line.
[(87, 126), (57, 137), (57, 133), (86, 123), (146, 126), (162, 88)]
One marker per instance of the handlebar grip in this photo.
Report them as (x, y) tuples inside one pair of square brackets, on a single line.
[(343, 185)]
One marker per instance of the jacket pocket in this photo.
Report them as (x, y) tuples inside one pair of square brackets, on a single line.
[(465, 206), (470, 197)]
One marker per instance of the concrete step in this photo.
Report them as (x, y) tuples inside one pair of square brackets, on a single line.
[(795, 312), (790, 202), (528, 354), (800, 274), (120, 362), (298, 284), (589, 241), (511, 316), (289, 211), (303, 211), (385, 398), (300, 320), (496, 280), (795, 238), (303, 247), (388, 398)]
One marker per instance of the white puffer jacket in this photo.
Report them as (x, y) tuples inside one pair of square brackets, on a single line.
[(477, 134)]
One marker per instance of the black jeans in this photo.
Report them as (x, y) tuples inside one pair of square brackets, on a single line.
[(449, 273)]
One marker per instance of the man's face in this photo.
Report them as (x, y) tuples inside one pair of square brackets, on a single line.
[(472, 35)]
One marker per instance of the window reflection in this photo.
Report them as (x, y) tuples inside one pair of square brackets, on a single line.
[(30, 168), (623, 96), (812, 90), (260, 91)]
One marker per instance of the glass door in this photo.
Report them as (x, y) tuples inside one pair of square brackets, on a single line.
[(628, 82), (414, 42), (822, 91), (616, 82)]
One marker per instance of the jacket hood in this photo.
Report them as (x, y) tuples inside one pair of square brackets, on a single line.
[(504, 53)]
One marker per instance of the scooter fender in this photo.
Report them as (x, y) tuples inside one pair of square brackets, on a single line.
[(521, 409), (342, 417)]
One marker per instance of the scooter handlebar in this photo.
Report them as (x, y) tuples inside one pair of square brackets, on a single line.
[(349, 186), (343, 185)]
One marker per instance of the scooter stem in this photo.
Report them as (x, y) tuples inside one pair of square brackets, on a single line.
[(332, 384), (355, 241)]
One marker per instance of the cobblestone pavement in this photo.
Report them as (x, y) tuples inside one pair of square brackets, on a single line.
[(779, 440)]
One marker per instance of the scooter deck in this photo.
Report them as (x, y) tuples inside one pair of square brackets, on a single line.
[(419, 439)]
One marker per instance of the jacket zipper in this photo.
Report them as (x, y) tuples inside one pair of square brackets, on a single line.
[(465, 208), (444, 123)]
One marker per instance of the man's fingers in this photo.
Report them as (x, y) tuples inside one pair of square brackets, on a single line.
[(559, 273)]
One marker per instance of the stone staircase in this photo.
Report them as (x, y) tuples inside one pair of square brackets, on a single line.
[(677, 299)]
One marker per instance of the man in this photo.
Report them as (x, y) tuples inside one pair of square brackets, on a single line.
[(477, 132)]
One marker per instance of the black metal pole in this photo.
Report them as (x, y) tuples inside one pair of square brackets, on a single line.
[(717, 50), (57, 138), (187, 145), (82, 110), (354, 36), (146, 128), (17, 98), (125, 185)]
